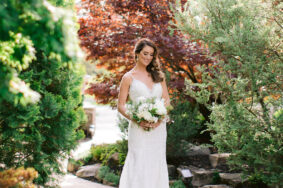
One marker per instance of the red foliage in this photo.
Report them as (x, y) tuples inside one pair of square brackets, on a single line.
[(109, 31)]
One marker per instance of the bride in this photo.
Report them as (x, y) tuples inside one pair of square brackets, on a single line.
[(145, 165)]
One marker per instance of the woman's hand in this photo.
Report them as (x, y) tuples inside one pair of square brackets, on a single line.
[(146, 125)]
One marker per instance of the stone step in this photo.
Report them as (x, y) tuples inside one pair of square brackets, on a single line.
[(233, 179), (219, 160), (200, 177), (216, 186), (197, 176)]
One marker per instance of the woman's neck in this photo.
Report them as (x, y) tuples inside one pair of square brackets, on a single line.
[(140, 68)]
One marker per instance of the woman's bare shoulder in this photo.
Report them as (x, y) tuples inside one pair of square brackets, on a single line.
[(127, 77)]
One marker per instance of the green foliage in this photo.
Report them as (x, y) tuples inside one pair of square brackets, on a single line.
[(178, 184), (103, 171), (102, 153), (113, 178), (122, 147), (96, 152), (62, 3), (123, 125), (106, 173), (39, 55), (187, 121), (216, 179), (76, 162), (87, 158), (15, 55), (245, 40)]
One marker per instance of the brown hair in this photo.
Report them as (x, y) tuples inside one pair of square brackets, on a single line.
[(154, 67)]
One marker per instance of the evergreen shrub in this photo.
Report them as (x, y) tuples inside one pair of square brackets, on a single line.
[(39, 54), (185, 126), (245, 42), (178, 184)]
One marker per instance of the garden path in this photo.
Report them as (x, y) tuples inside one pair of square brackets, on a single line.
[(106, 131)]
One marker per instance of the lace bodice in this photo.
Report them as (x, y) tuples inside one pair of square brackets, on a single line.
[(138, 88)]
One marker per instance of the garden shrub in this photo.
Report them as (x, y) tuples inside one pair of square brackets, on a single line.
[(102, 153), (187, 121), (103, 171), (39, 54), (245, 42), (113, 178), (178, 184), (106, 173), (122, 147)]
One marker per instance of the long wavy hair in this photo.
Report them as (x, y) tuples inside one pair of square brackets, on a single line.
[(154, 67)]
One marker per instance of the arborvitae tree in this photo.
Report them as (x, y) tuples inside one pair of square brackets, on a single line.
[(245, 38), (39, 45)]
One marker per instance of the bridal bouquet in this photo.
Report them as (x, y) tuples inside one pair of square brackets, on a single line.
[(147, 109)]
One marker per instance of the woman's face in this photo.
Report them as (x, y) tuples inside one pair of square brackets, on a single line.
[(146, 55)]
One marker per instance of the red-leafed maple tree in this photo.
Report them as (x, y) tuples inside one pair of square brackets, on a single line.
[(109, 30)]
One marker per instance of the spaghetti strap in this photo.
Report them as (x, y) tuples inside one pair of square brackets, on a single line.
[(131, 75)]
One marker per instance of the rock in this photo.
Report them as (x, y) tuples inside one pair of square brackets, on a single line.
[(201, 176), (218, 159), (233, 179), (216, 186), (197, 150), (113, 161), (185, 174), (172, 170), (197, 156), (97, 176), (88, 171)]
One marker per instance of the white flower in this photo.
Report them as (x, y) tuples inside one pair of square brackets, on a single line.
[(159, 105), (146, 115), (143, 107), (141, 99), (146, 109)]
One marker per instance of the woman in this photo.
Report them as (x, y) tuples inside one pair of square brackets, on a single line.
[(145, 165)]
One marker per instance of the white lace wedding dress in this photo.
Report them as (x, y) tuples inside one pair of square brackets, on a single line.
[(145, 165)]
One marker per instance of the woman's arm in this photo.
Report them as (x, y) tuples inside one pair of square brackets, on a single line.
[(123, 95)]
